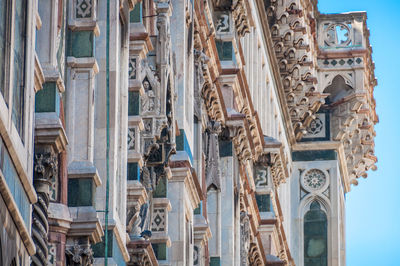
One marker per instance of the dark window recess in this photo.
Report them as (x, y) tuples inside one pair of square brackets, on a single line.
[(133, 103), (263, 202), (133, 171), (161, 189), (98, 249), (225, 50), (160, 250), (80, 192)]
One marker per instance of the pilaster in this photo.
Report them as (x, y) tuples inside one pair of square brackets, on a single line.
[(85, 228), (184, 193)]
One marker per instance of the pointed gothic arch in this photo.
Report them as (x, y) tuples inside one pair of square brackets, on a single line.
[(315, 228), (338, 88)]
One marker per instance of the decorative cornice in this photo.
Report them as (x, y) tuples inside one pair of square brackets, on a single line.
[(50, 131)]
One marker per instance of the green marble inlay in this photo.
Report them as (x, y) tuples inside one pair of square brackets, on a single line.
[(263, 202), (98, 249), (180, 140), (136, 14), (161, 189), (225, 50), (160, 250), (80, 192), (47, 99), (133, 103), (198, 209), (133, 171), (80, 43), (215, 261), (225, 148), (315, 155)]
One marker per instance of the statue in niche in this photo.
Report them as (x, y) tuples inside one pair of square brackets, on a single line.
[(212, 167), (200, 63), (148, 100), (163, 35), (244, 238), (140, 228)]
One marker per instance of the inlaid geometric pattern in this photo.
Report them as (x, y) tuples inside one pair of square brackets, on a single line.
[(317, 127), (83, 8), (158, 223), (132, 68), (131, 138)]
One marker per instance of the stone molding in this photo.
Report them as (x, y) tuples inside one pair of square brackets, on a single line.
[(184, 174), (18, 220), (85, 223), (50, 131), (141, 254)]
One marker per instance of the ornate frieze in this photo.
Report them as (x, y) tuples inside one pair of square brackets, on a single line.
[(293, 44)]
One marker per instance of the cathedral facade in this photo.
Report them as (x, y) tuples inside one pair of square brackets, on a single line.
[(181, 132)]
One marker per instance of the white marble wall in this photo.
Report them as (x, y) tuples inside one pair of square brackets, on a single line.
[(331, 203)]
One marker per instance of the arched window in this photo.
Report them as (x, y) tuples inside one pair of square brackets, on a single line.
[(315, 236), (337, 90)]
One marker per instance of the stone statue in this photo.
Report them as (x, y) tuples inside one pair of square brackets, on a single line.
[(212, 167), (148, 99)]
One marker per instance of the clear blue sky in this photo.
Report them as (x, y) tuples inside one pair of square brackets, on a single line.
[(373, 207)]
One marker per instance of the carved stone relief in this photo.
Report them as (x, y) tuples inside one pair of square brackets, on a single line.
[(244, 238), (80, 253)]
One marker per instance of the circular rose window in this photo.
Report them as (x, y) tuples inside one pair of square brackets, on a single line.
[(314, 179)]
